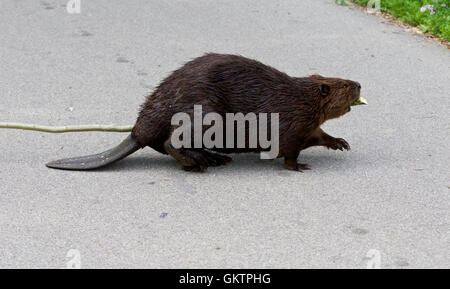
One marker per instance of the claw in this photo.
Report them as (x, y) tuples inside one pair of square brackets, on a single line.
[(304, 166), (339, 144), (297, 167)]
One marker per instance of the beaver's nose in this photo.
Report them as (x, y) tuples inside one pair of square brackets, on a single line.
[(358, 85)]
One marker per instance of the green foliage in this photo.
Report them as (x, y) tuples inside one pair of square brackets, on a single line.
[(409, 11), (342, 2)]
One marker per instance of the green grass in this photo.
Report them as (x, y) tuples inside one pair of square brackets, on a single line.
[(409, 11)]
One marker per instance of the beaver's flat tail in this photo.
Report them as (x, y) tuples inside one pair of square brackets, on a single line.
[(125, 148)]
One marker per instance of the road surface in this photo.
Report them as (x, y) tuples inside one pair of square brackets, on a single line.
[(385, 203)]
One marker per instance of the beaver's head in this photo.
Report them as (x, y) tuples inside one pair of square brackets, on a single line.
[(336, 95)]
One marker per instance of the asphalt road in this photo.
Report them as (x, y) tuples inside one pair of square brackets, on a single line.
[(386, 202)]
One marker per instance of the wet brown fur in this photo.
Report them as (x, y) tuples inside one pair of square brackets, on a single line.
[(232, 84)]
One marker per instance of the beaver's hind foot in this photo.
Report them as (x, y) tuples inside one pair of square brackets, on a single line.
[(196, 160)]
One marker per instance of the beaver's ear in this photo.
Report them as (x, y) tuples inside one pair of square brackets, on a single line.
[(324, 89), (316, 76)]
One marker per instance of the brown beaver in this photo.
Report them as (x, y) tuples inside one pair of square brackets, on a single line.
[(231, 84)]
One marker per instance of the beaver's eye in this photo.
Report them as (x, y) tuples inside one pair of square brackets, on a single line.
[(345, 85)]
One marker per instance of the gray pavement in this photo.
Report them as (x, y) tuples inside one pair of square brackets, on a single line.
[(390, 193)]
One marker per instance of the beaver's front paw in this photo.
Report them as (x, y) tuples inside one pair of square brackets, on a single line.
[(338, 144), (294, 166)]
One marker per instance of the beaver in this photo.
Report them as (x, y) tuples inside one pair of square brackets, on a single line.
[(225, 83)]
